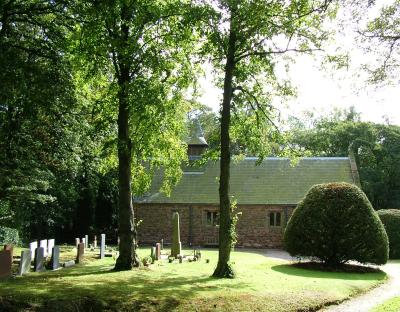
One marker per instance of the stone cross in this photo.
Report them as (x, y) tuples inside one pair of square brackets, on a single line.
[(102, 245), (158, 251), (25, 263), (43, 244), (81, 253), (39, 259), (86, 241), (50, 245), (95, 242), (77, 241), (32, 248), (55, 258)]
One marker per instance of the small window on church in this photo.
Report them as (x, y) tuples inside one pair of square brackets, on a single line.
[(275, 219), (212, 218)]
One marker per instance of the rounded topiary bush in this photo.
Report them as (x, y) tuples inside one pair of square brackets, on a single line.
[(335, 223), (391, 220)]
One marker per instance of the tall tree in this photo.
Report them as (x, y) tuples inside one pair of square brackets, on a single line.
[(245, 40), (381, 37), (138, 48)]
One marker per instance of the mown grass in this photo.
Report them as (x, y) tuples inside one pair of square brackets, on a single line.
[(263, 284), (390, 305)]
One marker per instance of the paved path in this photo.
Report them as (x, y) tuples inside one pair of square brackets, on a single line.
[(376, 296)]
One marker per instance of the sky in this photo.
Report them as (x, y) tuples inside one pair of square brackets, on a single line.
[(320, 90)]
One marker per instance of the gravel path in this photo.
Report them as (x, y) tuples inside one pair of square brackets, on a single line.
[(376, 296)]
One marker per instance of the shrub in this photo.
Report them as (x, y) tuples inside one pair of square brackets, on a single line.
[(8, 236), (335, 223), (391, 220)]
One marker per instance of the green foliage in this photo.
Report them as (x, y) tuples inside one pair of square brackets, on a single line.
[(391, 220), (335, 223), (376, 148), (9, 236)]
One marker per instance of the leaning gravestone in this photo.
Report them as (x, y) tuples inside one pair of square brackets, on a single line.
[(39, 259), (43, 244), (55, 258), (86, 241), (158, 251), (50, 245), (32, 248), (102, 245), (81, 253), (25, 263)]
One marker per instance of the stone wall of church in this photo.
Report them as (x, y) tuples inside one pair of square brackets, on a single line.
[(256, 227)]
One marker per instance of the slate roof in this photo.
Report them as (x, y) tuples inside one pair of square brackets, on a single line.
[(274, 181)]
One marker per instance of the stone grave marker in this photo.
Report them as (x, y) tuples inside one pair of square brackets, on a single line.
[(176, 246), (69, 263), (158, 251), (102, 245), (153, 254), (6, 258), (50, 245), (39, 259), (86, 241), (95, 242), (55, 258), (43, 244), (81, 253), (77, 241), (162, 244), (25, 263), (32, 248)]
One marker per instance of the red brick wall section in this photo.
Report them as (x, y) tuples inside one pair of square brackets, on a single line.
[(253, 228)]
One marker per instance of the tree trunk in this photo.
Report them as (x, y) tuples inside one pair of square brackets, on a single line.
[(224, 268), (126, 226)]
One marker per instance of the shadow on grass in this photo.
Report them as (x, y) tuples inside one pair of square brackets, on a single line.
[(293, 269), (99, 288)]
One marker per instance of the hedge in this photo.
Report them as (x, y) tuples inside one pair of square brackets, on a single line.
[(391, 220), (8, 236), (335, 223)]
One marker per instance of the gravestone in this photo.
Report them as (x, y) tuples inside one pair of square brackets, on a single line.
[(77, 241), (55, 258), (153, 254), (80, 253), (162, 244), (158, 251), (102, 245), (176, 246), (32, 248), (86, 241), (39, 259), (5, 263), (25, 263), (50, 245), (43, 244), (95, 242), (69, 263)]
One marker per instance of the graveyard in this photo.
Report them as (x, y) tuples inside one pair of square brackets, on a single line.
[(167, 283)]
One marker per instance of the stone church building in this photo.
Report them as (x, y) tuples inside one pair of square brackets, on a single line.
[(266, 195)]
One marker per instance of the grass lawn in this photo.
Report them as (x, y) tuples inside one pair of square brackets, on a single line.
[(263, 284), (391, 305)]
